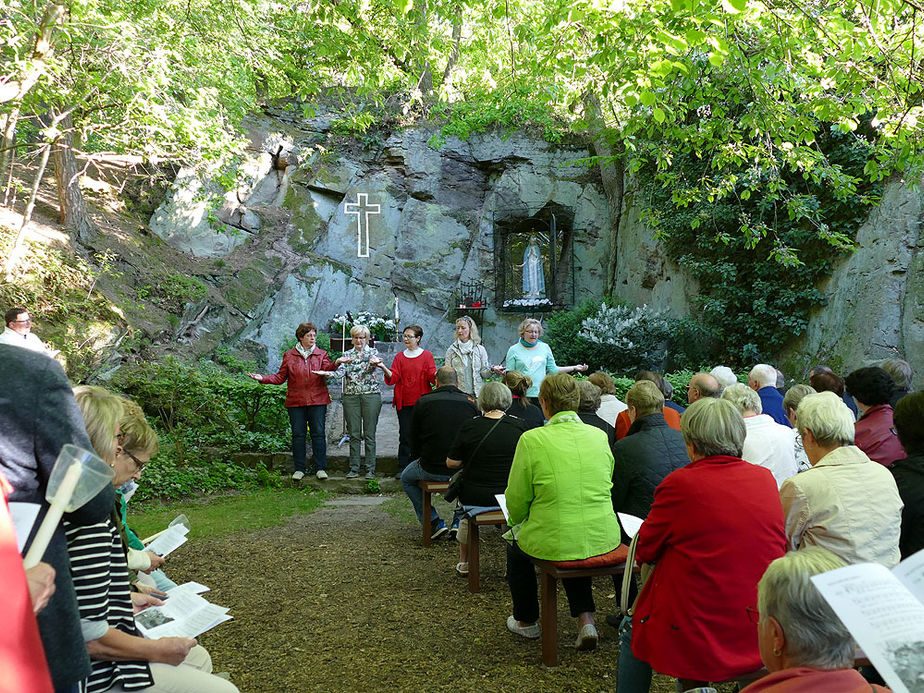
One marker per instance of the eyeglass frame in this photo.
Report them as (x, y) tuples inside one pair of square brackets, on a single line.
[(139, 465)]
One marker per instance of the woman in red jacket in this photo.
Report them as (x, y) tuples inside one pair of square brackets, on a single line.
[(306, 397), (413, 373), (714, 527)]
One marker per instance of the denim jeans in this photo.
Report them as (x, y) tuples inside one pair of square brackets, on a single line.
[(302, 418), (632, 674), (405, 453), (362, 416), (409, 478)]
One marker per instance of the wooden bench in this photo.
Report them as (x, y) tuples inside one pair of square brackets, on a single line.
[(495, 517), (429, 488), (549, 575)]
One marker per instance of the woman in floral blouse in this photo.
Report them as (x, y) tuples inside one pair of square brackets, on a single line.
[(362, 398)]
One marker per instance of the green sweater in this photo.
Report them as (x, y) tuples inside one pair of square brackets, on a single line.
[(558, 492)]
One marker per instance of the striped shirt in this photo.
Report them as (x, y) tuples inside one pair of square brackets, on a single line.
[(100, 575)]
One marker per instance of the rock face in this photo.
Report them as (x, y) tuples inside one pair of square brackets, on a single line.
[(284, 248), (644, 274), (431, 227), (876, 296)]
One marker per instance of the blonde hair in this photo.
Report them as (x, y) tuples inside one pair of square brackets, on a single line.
[(102, 411), (645, 398), (560, 392), (137, 434), (526, 323), (472, 328), (360, 331)]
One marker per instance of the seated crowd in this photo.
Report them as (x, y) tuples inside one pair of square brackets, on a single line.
[(745, 494)]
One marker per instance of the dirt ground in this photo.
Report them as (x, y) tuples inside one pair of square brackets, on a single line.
[(346, 599)]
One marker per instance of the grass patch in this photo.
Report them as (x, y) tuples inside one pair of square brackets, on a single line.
[(400, 508), (214, 517)]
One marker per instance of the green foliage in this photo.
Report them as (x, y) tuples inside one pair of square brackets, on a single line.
[(68, 313), (757, 260), (200, 405), (512, 110), (562, 327), (372, 486)]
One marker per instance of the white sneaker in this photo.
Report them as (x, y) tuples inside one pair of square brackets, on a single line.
[(321, 474), (298, 476), (587, 638), (531, 632)]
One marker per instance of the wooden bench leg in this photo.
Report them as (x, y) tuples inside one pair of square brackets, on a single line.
[(425, 518), (474, 559), (548, 615)]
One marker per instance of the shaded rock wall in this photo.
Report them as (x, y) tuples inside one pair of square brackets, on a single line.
[(875, 297)]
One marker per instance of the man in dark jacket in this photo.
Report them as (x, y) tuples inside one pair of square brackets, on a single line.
[(38, 415), (438, 415), (649, 452)]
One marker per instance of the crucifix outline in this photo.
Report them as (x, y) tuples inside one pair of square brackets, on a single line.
[(362, 208)]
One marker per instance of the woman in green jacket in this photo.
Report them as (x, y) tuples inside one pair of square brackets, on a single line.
[(558, 497)]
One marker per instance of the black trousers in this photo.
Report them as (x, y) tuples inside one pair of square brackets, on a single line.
[(521, 576), (405, 453)]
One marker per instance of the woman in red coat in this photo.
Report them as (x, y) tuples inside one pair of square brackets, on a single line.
[(306, 397), (714, 527), (413, 373)]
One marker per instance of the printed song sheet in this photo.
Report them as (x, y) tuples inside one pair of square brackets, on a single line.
[(885, 614), (183, 615)]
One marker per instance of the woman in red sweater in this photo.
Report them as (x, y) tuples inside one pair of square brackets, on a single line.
[(413, 373)]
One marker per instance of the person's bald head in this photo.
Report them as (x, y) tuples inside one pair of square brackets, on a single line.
[(446, 375), (703, 385)]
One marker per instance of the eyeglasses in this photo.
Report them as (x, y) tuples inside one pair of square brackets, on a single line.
[(139, 465), (28, 321), (409, 336), (753, 614)]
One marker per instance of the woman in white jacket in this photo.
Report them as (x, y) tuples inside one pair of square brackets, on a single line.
[(469, 357)]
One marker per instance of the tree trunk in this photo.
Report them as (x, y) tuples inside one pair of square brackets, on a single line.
[(18, 244), (71, 205), (612, 172)]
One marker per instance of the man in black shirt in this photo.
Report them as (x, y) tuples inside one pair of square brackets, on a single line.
[(438, 415)]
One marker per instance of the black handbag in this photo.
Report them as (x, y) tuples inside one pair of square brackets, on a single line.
[(455, 481)]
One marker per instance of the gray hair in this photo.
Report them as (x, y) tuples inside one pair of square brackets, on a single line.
[(743, 398), (495, 395), (713, 427), (827, 417), (763, 375), (725, 376), (900, 371), (796, 394), (590, 396), (815, 636), (530, 322)]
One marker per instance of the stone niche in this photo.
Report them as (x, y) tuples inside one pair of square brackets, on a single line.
[(534, 260)]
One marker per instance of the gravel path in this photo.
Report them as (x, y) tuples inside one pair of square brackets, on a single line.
[(346, 599)]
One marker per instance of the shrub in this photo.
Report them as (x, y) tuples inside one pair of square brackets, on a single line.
[(562, 327), (626, 339)]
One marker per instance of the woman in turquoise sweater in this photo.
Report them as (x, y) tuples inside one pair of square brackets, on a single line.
[(558, 497), (533, 357)]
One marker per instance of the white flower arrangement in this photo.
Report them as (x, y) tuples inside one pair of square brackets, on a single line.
[(381, 328), (527, 302)]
